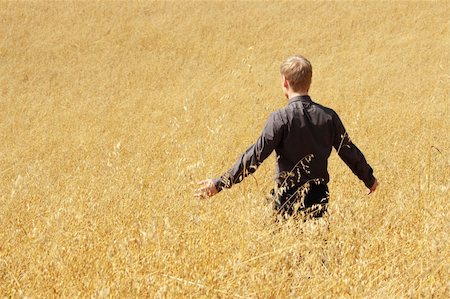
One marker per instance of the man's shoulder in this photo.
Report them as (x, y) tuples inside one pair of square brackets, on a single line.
[(324, 109), (280, 115), (285, 111)]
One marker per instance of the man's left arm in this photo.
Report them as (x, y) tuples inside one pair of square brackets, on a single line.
[(249, 161)]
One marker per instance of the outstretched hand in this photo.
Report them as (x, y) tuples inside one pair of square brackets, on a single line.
[(374, 187), (207, 189)]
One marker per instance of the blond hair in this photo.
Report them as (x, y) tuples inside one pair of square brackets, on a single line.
[(298, 71)]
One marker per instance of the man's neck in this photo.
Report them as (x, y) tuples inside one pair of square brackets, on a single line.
[(291, 95)]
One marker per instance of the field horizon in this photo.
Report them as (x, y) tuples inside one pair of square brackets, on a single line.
[(111, 112)]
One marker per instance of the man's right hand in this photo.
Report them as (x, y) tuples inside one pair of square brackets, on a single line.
[(374, 187)]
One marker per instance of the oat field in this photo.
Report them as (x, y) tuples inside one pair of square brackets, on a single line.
[(110, 112)]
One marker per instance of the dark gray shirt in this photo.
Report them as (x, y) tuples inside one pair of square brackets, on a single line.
[(302, 135)]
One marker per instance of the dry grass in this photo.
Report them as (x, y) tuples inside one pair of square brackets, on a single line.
[(110, 112)]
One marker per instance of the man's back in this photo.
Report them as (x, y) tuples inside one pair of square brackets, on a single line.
[(308, 136)]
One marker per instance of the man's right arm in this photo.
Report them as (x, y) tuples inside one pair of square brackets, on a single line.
[(351, 155)]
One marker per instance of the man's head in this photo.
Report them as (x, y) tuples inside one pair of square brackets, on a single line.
[(296, 72)]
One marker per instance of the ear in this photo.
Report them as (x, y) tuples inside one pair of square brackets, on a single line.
[(285, 83)]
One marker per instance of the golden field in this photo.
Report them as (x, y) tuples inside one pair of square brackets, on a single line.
[(110, 112)]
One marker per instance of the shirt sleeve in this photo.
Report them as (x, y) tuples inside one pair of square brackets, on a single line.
[(249, 161), (350, 154)]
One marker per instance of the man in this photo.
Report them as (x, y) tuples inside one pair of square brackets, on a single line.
[(302, 135)]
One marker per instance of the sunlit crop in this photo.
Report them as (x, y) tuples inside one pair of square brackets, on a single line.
[(110, 112)]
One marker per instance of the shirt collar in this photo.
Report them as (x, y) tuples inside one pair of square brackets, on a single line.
[(304, 99)]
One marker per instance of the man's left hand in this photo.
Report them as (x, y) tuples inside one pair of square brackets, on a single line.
[(207, 189)]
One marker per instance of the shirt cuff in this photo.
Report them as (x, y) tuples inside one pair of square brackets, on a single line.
[(369, 182), (218, 184)]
